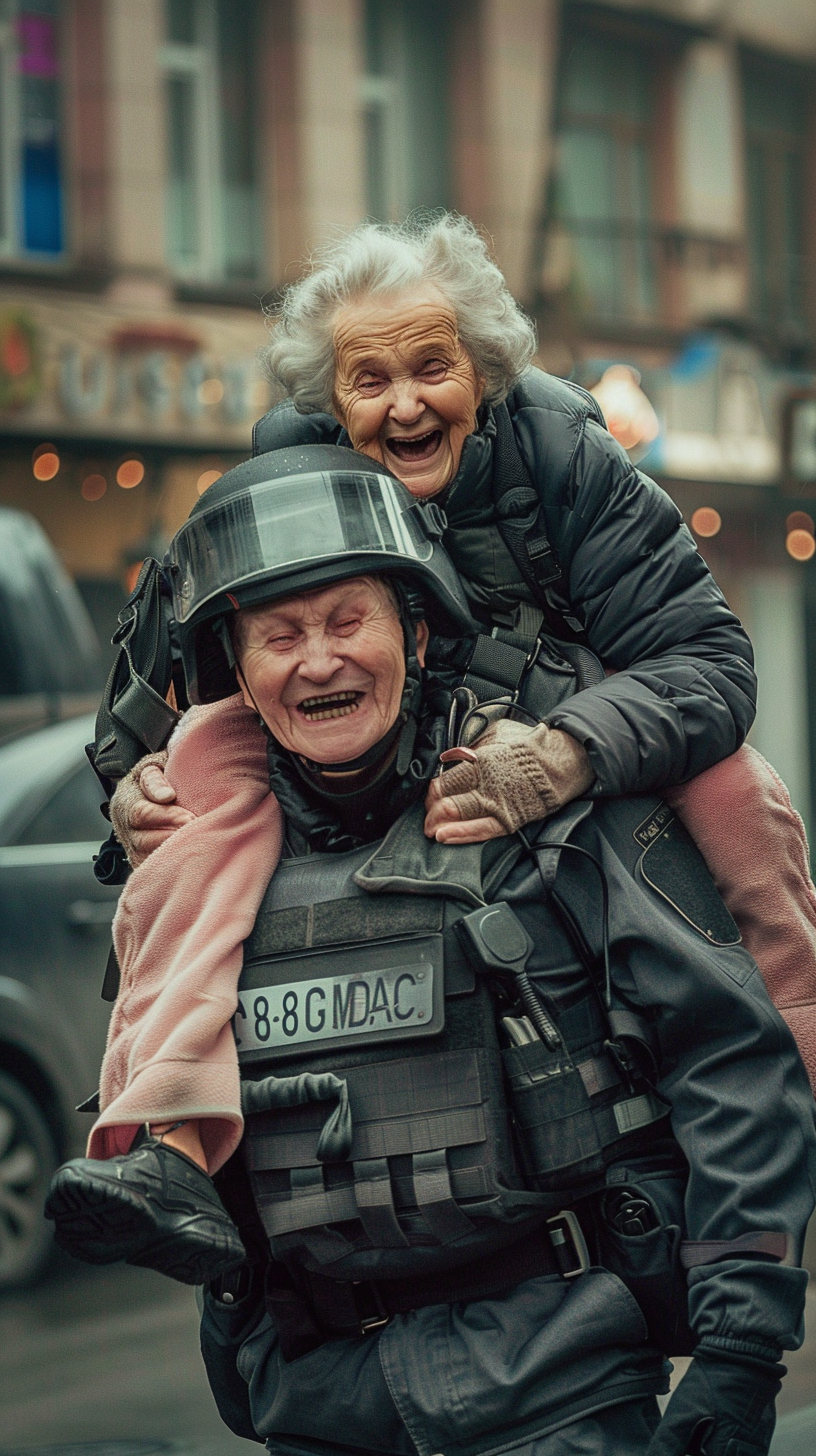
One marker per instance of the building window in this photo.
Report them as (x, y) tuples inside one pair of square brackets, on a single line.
[(212, 187), (406, 103), (31, 201), (776, 132), (603, 180)]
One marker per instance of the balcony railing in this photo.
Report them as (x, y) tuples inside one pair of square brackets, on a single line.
[(638, 273)]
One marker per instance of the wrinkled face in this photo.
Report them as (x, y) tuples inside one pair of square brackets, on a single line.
[(404, 386), (326, 669)]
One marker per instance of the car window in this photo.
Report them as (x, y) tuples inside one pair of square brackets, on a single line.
[(71, 814)]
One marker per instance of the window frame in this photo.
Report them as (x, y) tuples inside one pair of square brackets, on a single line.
[(9, 140), (771, 303), (387, 103), (12, 248), (196, 62), (199, 63), (628, 236)]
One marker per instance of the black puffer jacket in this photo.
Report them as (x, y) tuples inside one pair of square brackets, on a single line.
[(683, 692)]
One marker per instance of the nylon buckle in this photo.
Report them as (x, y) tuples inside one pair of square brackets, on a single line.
[(379, 1317), (569, 1244)]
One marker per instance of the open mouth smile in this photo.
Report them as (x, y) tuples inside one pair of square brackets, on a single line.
[(330, 705), (421, 447)]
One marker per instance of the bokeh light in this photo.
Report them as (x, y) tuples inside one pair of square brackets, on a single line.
[(45, 462), (130, 473), (206, 479), (93, 487), (800, 545), (799, 521), (706, 521), (211, 391)]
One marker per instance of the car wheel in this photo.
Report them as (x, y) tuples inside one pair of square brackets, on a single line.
[(27, 1164)]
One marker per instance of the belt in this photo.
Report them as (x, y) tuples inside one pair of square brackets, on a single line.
[(360, 1307)]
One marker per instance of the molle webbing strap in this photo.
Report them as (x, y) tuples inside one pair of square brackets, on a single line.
[(355, 919), (495, 669), (445, 1093), (434, 1196), (311, 1204), (280, 1149), (375, 1204)]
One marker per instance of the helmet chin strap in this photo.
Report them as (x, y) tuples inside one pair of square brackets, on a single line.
[(372, 755)]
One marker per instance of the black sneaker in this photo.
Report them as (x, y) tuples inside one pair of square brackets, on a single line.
[(152, 1206)]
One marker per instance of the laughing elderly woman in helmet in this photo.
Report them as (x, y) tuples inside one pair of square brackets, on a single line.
[(406, 1287), (405, 343)]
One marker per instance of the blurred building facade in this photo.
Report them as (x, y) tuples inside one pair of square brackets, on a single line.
[(645, 168)]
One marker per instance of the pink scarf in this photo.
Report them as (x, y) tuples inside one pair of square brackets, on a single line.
[(178, 934), (741, 818)]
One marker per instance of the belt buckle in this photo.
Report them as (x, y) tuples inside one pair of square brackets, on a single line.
[(569, 1244), (369, 1323)]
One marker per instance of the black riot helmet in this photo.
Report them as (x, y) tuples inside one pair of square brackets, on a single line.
[(296, 520)]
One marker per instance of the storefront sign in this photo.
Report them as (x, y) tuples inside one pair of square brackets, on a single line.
[(80, 368), (718, 410)]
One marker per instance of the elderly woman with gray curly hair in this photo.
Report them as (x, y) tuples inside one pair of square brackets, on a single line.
[(405, 343)]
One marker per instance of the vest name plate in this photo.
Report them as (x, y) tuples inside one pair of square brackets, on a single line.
[(388, 991)]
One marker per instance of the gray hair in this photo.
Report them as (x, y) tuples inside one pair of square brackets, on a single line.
[(383, 258)]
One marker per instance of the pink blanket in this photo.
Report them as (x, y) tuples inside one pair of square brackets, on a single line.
[(184, 914), (178, 933)]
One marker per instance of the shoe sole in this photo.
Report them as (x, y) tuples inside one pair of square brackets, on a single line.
[(105, 1223)]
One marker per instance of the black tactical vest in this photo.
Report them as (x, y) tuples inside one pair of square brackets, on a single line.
[(388, 1133)]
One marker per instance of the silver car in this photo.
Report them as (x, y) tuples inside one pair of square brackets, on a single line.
[(55, 938)]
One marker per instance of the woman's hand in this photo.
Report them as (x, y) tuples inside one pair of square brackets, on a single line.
[(143, 810), (514, 775)]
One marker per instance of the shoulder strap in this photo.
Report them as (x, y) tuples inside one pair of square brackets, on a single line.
[(521, 522), (134, 717)]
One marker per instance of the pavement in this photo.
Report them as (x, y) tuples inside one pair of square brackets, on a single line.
[(105, 1362), (107, 1355)]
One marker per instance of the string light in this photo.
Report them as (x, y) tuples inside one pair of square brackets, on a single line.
[(706, 521), (45, 462), (800, 545), (129, 474)]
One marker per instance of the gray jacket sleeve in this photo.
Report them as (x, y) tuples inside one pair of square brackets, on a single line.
[(683, 693), (740, 1112), (741, 1106)]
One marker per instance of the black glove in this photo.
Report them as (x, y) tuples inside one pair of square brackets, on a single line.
[(722, 1407)]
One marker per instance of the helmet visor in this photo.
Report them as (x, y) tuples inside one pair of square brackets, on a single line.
[(277, 527)]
